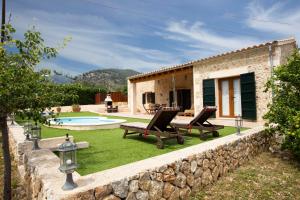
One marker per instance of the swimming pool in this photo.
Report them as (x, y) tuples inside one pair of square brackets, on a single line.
[(85, 123)]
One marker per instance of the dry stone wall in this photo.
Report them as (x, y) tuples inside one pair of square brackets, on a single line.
[(175, 175), (180, 179)]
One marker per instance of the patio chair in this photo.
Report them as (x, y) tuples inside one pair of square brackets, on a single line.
[(159, 126), (189, 112), (200, 122)]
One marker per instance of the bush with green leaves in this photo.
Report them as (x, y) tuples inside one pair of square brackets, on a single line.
[(284, 111), (23, 89), (83, 95)]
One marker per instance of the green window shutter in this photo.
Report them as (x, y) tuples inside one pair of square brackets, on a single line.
[(209, 98), (248, 96), (152, 96), (144, 98), (209, 92)]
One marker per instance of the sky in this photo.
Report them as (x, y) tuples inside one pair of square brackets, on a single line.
[(145, 35)]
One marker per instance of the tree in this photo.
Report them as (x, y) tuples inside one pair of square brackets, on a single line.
[(284, 111), (22, 89)]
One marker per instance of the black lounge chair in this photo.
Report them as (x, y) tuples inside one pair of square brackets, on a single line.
[(158, 126), (200, 122)]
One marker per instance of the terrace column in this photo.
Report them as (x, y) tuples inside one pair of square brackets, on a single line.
[(174, 90), (131, 97)]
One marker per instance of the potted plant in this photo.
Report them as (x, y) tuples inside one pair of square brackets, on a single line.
[(76, 108), (58, 109)]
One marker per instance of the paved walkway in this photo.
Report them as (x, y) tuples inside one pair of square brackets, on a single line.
[(220, 121), (101, 110)]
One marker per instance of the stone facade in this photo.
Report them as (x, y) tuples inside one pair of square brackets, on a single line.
[(257, 59), (161, 86), (141, 88)]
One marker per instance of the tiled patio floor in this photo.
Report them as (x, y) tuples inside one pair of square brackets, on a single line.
[(100, 110), (221, 121)]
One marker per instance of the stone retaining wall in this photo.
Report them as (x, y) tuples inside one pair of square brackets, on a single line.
[(175, 175), (178, 180)]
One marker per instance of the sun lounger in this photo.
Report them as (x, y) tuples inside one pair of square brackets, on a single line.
[(158, 126), (200, 122)]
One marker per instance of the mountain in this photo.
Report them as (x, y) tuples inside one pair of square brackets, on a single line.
[(61, 79), (108, 78)]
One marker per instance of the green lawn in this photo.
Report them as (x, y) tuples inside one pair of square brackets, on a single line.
[(108, 149)]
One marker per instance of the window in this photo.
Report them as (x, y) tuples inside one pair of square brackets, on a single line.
[(149, 97)]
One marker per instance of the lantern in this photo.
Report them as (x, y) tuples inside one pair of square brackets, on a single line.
[(35, 136), (238, 124), (27, 130), (12, 117), (68, 162)]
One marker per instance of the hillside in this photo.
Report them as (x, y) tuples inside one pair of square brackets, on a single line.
[(109, 78)]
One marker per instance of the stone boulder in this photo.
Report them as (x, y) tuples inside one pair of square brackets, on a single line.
[(120, 188), (111, 197), (193, 166), (131, 196), (102, 191), (168, 190), (206, 177), (145, 181), (156, 190), (134, 186), (142, 195), (180, 180), (185, 193)]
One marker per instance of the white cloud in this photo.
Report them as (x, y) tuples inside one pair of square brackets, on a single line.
[(198, 36), (47, 64), (274, 19), (95, 41)]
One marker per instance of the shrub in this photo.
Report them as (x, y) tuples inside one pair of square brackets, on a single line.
[(82, 95), (284, 111), (76, 108)]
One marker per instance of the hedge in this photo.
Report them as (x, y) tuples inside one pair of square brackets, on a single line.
[(79, 94)]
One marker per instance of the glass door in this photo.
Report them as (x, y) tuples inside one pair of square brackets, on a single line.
[(225, 98), (237, 97), (229, 97)]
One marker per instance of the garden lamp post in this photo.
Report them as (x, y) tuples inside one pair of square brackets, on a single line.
[(238, 124), (68, 162), (12, 118), (35, 136), (27, 130)]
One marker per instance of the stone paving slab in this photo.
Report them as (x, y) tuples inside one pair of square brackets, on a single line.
[(183, 119)]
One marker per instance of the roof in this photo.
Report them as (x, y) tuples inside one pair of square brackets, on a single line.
[(190, 64)]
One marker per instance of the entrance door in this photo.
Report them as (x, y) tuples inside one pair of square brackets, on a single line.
[(229, 97), (183, 98)]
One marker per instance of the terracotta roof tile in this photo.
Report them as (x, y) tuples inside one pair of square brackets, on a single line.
[(164, 69)]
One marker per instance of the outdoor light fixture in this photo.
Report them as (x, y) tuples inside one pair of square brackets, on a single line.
[(27, 130), (238, 124), (35, 136), (68, 162), (12, 118)]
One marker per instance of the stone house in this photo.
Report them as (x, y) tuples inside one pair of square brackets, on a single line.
[(232, 81)]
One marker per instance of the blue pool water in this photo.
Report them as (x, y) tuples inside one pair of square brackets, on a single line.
[(84, 121)]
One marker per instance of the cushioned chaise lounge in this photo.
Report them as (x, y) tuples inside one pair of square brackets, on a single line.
[(200, 122), (159, 126)]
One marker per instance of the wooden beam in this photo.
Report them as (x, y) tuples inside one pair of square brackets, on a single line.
[(162, 74)]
